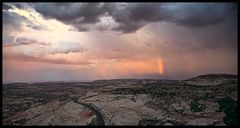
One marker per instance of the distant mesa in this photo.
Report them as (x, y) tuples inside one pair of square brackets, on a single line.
[(214, 76)]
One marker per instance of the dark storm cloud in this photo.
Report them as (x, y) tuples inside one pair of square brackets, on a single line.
[(201, 14), (76, 14), (6, 6), (21, 6), (24, 6), (133, 16)]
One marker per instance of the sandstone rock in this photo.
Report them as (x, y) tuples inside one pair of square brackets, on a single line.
[(179, 108), (168, 124), (70, 113), (126, 118), (202, 122)]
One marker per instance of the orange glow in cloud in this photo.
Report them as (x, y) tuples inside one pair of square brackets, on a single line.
[(130, 67), (161, 67)]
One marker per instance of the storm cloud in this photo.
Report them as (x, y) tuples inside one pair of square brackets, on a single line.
[(133, 16), (6, 7), (88, 41), (76, 14), (14, 23)]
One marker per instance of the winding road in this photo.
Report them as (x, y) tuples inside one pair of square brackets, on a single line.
[(100, 120)]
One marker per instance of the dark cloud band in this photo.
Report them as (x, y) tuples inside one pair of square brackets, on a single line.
[(133, 16)]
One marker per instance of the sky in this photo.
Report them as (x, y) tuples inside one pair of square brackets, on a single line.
[(91, 41)]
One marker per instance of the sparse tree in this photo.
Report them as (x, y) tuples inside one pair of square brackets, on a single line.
[(196, 107), (230, 108)]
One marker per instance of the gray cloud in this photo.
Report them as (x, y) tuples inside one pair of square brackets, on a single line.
[(21, 5), (8, 39), (27, 41), (69, 47), (178, 40), (201, 14), (76, 14), (23, 41), (67, 50), (133, 16), (12, 21), (22, 57), (11, 5), (35, 27), (6, 6)]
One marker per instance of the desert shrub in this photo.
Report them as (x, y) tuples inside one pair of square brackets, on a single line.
[(196, 107), (230, 108), (93, 122), (206, 96), (21, 121)]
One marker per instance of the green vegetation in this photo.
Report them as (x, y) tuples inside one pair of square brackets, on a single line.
[(196, 107), (137, 91), (168, 89), (93, 122), (21, 121), (129, 91), (154, 91), (230, 108)]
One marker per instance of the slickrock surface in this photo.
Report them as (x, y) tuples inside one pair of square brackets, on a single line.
[(194, 101)]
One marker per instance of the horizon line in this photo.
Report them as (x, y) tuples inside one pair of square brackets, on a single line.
[(72, 81)]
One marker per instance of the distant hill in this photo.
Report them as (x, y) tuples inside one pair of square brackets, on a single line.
[(215, 76), (203, 79), (213, 79)]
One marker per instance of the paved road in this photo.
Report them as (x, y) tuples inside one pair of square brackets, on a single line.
[(100, 120)]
